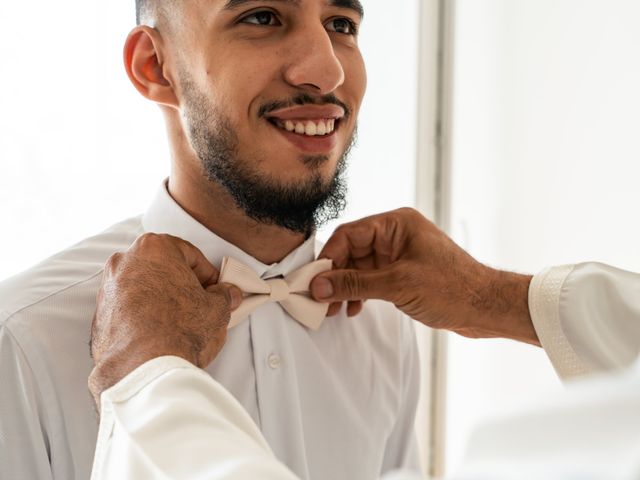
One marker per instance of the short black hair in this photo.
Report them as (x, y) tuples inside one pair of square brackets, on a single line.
[(141, 5)]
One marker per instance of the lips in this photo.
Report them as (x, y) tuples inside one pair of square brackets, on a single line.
[(311, 128), (308, 112)]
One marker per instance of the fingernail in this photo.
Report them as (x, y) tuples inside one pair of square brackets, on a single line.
[(322, 288), (236, 297)]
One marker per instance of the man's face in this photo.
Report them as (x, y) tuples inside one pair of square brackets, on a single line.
[(272, 90)]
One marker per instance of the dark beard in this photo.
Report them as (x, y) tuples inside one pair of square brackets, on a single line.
[(300, 208)]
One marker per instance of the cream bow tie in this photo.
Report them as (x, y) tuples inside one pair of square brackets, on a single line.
[(291, 292)]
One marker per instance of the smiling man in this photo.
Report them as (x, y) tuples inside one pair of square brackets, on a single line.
[(260, 100)]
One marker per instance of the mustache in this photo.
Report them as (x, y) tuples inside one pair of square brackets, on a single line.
[(303, 99)]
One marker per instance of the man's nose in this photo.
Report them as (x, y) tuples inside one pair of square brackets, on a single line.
[(314, 65)]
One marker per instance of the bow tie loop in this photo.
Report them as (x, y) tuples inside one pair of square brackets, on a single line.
[(279, 289), (290, 292)]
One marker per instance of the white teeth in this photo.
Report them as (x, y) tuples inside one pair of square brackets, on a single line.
[(310, 128)]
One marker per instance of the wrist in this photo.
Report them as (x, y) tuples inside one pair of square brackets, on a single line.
[(118, 364), (501, 306)]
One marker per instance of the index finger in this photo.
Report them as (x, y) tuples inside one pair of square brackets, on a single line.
[(358, 240), (206, 273), (163, 245)]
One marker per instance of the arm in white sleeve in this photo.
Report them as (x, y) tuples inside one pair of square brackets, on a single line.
[(587, 317), (170, 420), (24, 428)]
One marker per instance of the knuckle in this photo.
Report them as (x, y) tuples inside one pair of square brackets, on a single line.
[(169, 240), (147, 238), (151, 240), (351, 284), (153, 245), (409, 213), (341, 230), (114, 262), (143, 242)]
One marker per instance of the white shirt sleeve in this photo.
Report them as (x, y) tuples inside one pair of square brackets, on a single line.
[(587, 317), (170, 420), (24, 443)]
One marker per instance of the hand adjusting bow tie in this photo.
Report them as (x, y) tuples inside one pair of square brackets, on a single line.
[(291, 292)]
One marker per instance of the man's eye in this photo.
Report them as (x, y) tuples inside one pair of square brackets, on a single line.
[(341, 25), (264, 18)]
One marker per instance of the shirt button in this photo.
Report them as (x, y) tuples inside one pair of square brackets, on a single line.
[(274, 361)]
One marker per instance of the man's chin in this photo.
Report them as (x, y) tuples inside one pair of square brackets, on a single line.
[(317, 162), (298, 170)]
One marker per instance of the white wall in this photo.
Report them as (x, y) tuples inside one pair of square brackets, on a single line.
[(80, 149), (546, 165)]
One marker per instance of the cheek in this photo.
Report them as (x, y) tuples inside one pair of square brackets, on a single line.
[(242, 81), (355, 79)]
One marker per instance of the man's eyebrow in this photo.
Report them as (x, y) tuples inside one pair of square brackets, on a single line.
[(354, 5)]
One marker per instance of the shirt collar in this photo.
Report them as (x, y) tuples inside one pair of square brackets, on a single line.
[(166, 216)]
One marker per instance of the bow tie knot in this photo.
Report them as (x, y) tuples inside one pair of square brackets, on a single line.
[(279, 289), (290, 292)]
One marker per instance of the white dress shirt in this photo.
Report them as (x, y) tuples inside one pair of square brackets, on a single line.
[(337, 403), (155, 421)]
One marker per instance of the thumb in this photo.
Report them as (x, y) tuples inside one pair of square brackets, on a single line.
[(232, 294), (345, 285)]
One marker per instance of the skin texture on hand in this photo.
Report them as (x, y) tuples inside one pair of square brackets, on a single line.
[(403, 258), (161, 297)]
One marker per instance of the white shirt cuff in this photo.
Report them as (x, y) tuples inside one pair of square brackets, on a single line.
[(141, 377), (544, 306)]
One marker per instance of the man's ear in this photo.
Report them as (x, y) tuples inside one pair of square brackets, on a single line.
[(143, 61)]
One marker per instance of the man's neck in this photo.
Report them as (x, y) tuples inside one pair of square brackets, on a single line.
[(211, 205)]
